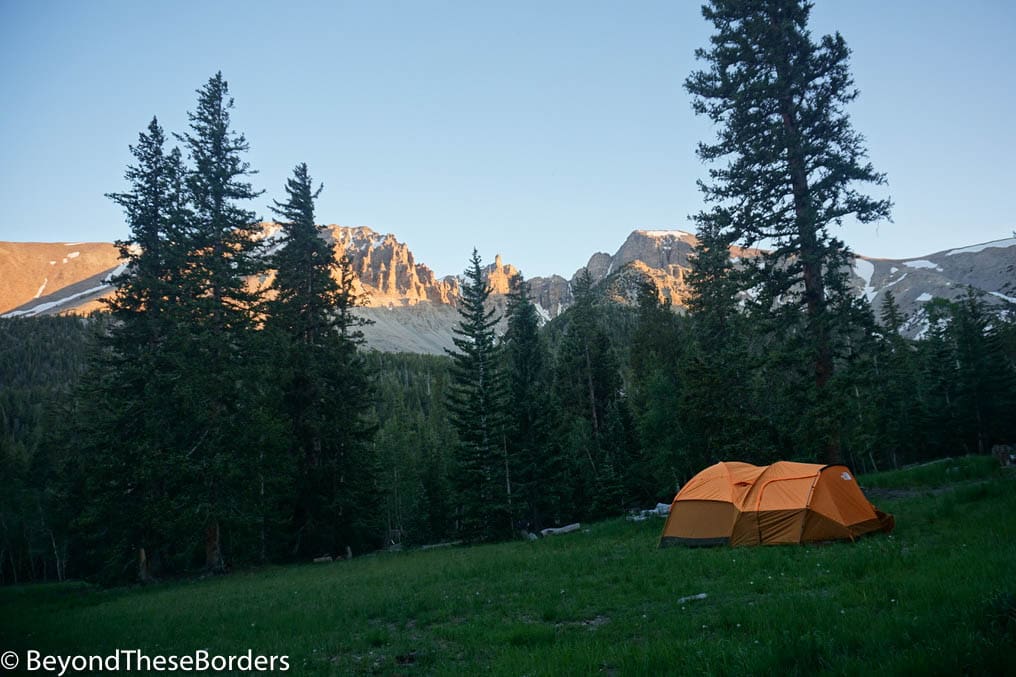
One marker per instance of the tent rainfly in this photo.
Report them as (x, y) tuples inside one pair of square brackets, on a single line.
[(733, 503)]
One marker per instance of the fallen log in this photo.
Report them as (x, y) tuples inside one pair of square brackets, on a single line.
[(568, 528), (440, 545)]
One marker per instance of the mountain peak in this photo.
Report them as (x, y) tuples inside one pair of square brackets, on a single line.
[(671, 233)]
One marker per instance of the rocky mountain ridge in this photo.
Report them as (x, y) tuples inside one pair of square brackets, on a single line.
[(414, 309)]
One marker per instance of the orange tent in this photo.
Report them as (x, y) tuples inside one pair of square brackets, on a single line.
[(742, 504)]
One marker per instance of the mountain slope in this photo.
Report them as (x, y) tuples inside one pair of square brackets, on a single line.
[(414, 310), (989, 267), (38, 273), (662, 255)]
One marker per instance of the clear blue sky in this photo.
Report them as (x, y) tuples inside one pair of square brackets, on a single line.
[(543, 130)]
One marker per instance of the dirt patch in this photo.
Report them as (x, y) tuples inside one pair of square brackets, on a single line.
[(590, 623)]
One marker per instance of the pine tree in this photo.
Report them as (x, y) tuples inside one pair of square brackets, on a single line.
[(305, 290), (589, 360), (222, 390), (415, 445), (723, 377), (791, 163), (658, 349), (894, 385), (476, 406), (536, 468), (713, 280), (156, 211), (223, 234), (985, 380), (892, 317), (325, 390), (595, 424), (129, 466)]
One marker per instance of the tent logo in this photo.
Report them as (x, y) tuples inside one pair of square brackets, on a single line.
[(846, 476)]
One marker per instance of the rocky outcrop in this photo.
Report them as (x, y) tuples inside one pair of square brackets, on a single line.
[(386, 269), (660, 256), (552, 295), (600, 265), (499, 276), (665, 250), (48, 278)]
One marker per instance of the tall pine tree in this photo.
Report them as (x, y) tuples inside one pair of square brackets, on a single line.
[(325, 391), (128, 460), (221, 388), (790, 162), (536, 467), (594, 417), (476, 405)]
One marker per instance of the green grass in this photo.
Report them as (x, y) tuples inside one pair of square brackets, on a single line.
[(937, 597), (940, 473)]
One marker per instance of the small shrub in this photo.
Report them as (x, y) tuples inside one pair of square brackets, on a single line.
[(378, 637), (1001, 614)]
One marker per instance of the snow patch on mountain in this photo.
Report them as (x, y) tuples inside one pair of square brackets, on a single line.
[(46, 307), (924, 297), (542, 312), (667, 233), (108, 280), (973, 249), (896, 281), (41, 288), (922, 263), (866, 270)]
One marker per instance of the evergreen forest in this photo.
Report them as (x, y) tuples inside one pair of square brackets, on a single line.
[(223, 411)]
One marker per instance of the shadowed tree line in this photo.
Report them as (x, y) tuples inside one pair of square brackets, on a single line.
[(667, 397)]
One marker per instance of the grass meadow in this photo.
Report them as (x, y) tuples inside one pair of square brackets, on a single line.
[(936, 597)]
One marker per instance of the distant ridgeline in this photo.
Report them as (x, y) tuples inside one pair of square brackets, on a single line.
[(414, 310)]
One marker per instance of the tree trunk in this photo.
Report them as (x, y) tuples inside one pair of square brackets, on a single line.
[(264, 511), (508, 488), (57, 560), (144, 567), (811, 268), (592, 393), (213, 548), (14, 566)]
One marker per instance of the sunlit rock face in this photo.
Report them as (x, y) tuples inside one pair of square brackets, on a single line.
[(386, 269), (49, 275), (414, 310)]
